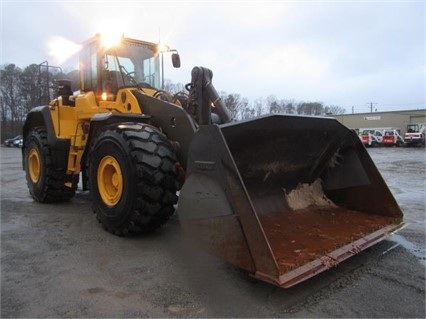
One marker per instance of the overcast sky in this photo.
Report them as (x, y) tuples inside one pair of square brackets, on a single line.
[(345, 53)]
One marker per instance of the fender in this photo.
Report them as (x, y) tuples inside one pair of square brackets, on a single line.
[(40, 117), (107, 120)]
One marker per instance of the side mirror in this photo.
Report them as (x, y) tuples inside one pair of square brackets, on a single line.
[(176, 60)]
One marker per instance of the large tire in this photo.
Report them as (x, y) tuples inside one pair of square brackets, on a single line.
[(46, 183), (132, 179)]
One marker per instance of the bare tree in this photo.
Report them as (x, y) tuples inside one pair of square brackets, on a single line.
[(334, 109), (234, 104), (29, 90), (290, 107), (174, 88), (310, 108), (273, 104), (11, 97), (258, 107)]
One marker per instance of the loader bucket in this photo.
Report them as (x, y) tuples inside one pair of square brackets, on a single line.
[(284, 197)]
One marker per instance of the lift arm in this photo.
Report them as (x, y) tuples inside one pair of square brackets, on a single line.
[(204, 99)]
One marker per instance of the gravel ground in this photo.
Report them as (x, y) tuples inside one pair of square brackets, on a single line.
[(56, 261)]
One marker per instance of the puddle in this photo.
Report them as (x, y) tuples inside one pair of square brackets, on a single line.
[(414, 249)]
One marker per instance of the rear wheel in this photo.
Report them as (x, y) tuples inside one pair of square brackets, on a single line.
[(46, 183), (132, 179)]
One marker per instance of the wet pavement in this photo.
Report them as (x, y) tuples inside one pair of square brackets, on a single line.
[(57, 261)]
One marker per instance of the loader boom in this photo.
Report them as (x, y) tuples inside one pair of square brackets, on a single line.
[(203, 98)]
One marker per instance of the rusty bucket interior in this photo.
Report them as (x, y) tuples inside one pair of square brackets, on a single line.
[(284, 197)]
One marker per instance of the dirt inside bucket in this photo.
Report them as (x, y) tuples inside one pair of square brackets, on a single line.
[(303, 235)]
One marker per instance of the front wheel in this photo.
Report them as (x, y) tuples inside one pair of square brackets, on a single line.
[(46, 182), (132, 179)]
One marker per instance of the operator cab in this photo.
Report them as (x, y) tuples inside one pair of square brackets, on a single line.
[(134, 63), (415, 128)]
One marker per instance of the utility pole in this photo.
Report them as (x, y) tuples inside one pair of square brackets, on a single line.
[(371, 106)]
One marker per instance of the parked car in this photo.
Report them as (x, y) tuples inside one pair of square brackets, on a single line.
[(18, 142), (11, 141)]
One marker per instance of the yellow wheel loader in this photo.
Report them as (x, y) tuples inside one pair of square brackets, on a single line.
[(283, 197)]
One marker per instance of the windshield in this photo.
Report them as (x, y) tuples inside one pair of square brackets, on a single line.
[(412, 128), (132, 64)]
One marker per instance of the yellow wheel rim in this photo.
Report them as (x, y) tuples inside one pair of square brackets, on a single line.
[(110, 181), (34, 167)]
